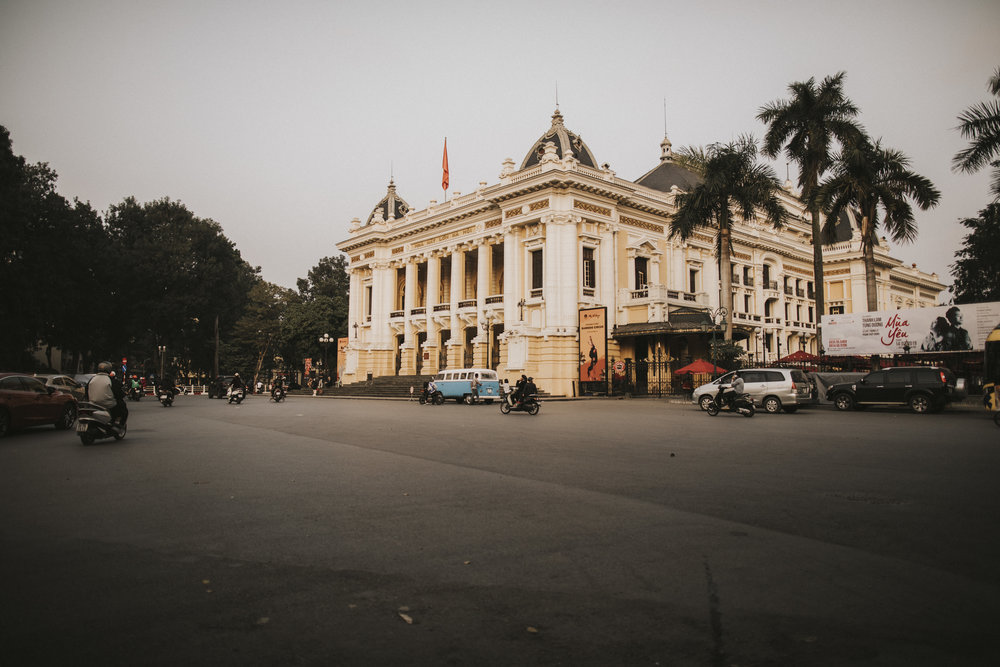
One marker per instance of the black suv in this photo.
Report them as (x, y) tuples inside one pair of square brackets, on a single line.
[(923, 388)]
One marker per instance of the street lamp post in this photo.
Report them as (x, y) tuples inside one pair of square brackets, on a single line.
[(717, 315), (163, 354), (487, 327), (325, 339)]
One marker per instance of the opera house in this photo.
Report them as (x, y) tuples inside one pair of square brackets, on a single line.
[(500, 277)]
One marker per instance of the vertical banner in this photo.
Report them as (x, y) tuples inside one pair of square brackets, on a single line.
[(593, 344), (342, 344)]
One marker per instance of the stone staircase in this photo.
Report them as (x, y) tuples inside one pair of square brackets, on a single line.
[(386, 386)]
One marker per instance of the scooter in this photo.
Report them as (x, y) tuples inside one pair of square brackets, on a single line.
[(94, 423), (741, 404), (434, 398), (166, 397), (527, 404), (236, 395), (134, 393), (278, 394)]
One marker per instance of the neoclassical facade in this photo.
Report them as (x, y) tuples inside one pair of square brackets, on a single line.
[(497, 277)]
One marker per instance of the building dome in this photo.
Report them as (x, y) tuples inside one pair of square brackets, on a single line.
[(565, 142), (391, 206)]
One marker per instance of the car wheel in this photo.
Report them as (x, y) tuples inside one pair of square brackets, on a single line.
[(920, 403), (704, 402), (772, 405), (4, 423), (66, 418), (843, 401)]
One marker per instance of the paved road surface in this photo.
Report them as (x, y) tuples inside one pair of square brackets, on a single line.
[(343, 532)]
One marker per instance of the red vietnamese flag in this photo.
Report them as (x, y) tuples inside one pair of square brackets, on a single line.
[(444, 168)]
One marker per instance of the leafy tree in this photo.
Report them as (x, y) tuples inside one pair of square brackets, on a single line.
[(324, 309), (870, 177), (733, 179), (258, 333), (977, 263), (177, 273), (728, 355), (980, 123), (807, 125), (50, 287)]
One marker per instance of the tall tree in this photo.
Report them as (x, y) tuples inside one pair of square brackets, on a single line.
[(980, 123), (977, 263), (807, 125), (871, 178), (734, 181), (177, 274), (49, 282)]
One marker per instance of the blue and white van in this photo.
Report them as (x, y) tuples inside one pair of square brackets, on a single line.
[(457, 384)]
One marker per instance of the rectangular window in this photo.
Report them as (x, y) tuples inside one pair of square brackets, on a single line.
[(368, 302), (589, 269), (536, 269), (692, 280), (641, 272)]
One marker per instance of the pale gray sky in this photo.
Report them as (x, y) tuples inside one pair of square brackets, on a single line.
[(280, 120)]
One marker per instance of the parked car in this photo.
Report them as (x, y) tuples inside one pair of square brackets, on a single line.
[(773, 389), (64, 383), (923, 388), (217, 388), (26, 401)]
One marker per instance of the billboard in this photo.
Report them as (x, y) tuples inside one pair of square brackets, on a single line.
[(593, 344), (913, 331)]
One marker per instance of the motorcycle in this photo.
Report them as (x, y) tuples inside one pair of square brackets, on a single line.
[(527, 404), (166, 397), (134, 393), (94, 423), (236, 395), (278, 394), (434, 398), (741, 404)]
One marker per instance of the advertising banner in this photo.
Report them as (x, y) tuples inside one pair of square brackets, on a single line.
[(913, 331), (593, 344)]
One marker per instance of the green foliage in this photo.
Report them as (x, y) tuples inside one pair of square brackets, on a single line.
[(46, 252), (733, 181), (729, 355), (876, 180), (980, 123), (977, 264), (175, 274)]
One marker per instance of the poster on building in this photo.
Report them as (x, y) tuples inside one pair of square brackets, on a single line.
[(342, 344), (593, 344), (913, 331)]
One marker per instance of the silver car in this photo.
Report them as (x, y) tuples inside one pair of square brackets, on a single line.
[(773, 389), (65, 384)]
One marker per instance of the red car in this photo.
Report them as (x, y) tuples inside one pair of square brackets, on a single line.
[(26, 401)]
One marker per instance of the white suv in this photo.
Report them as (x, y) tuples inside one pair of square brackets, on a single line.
[(774, 389)]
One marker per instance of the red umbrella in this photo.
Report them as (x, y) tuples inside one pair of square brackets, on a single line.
[(699, 366), (799, 356)]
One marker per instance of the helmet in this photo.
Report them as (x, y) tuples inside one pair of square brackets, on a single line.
[(236, 375), (104, 367)]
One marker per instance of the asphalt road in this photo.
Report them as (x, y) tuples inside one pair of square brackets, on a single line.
[(601, 532)]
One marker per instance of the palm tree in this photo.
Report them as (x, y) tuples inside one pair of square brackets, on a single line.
[(981, 124), (806, 126), (869, 177), (733, 182)]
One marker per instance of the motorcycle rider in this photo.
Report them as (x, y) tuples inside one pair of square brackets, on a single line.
[(529, 389), (519, 389), (734, 391), (279, 386), (107, 391), (167, 384), (238, 384)]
